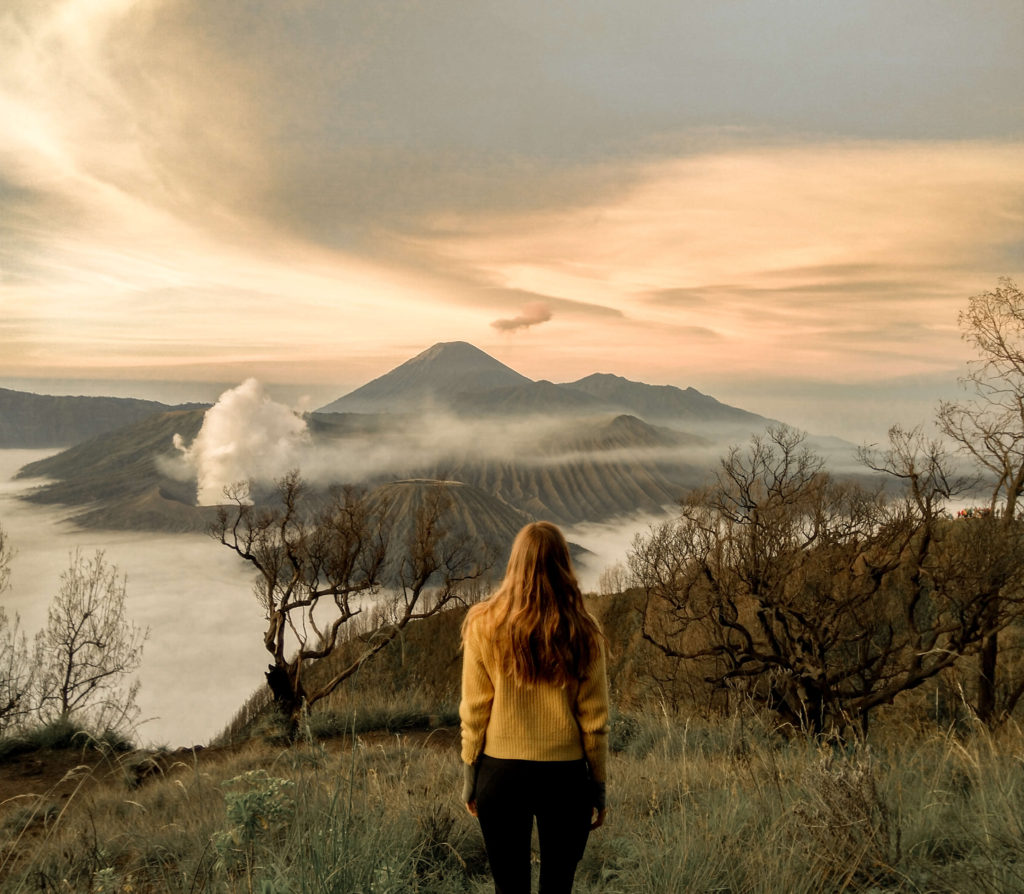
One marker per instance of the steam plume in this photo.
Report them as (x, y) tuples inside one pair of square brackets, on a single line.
[(245, 436), (531, 315)]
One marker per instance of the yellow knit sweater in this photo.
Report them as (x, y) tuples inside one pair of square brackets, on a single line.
[(541, 722)]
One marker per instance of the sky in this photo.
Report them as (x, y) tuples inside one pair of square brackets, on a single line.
[(784, 204)]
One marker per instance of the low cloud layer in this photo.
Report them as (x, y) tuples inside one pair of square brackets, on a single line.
[(608, 545), (531, 315), (248, 437)]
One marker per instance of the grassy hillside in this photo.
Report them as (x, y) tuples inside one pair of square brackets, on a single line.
[(368, 799), (692, 807), (415, 679)]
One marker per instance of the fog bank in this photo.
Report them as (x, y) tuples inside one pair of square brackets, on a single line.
[(608, 543), (205, 652), (248, 436)]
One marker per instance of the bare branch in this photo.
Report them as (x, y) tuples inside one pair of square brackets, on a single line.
[(321, 559), (822, 599)]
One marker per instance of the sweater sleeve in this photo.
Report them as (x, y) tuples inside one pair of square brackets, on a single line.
[(477, 697), (592, 714)]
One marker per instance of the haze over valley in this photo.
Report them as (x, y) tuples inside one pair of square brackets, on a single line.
[(206, 627)]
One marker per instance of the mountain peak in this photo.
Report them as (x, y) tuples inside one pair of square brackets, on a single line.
[(451, 347), (433, 376), (602, 377)]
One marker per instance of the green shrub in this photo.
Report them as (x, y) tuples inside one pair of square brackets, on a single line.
[(61, 734)]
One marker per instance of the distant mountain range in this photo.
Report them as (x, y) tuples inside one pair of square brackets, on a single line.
[(459, 377), (662, 403), (589, 450), (42, 420)]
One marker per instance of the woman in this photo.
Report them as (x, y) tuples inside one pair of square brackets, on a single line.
[(534, 716)]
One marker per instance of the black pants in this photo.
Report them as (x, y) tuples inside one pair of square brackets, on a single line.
[(509, 794)]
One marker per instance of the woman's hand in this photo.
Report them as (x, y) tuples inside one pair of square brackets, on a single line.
[(598, 820), (469, 787)]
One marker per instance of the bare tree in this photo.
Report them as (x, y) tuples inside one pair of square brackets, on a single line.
[(319, 567), (6, 554), (16, 670), (17, 674), (988, 426), (613, 579), (816, 597), (88, 648)]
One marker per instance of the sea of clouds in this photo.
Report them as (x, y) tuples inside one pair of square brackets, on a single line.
[(204, 655)]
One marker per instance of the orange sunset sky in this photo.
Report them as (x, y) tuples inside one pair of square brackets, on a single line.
[(779, 203)]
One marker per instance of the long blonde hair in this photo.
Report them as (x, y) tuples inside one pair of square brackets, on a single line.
[(542, 630)]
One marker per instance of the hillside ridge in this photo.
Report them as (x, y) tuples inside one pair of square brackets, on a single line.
[(30, 420)]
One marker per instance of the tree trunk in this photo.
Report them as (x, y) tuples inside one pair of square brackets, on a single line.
[(987, 670), (288, 697), (988, 661)]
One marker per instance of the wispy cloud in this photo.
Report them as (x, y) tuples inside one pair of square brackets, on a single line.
[(190, 185), (807, 252), (531, 315)]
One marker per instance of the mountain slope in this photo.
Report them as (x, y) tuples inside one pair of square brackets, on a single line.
[(661, 403), (458, 376), (120, 477), (43, 420), (623, 433), (530, 398), (488, 522), (587, 470), (430, 378), (580, 488), (583, 452)]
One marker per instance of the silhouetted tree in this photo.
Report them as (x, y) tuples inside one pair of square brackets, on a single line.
[(321, 564), (17, 675), (816, 597), (613, 579), (16, 670), (988, 426)]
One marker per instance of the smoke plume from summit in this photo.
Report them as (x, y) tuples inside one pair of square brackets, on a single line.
[(246, 436)]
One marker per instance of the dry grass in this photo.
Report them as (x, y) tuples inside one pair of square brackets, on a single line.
[(727, 807)]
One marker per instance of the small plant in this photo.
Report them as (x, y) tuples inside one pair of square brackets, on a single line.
[(107, 881), (624, 730), (258, 808)]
